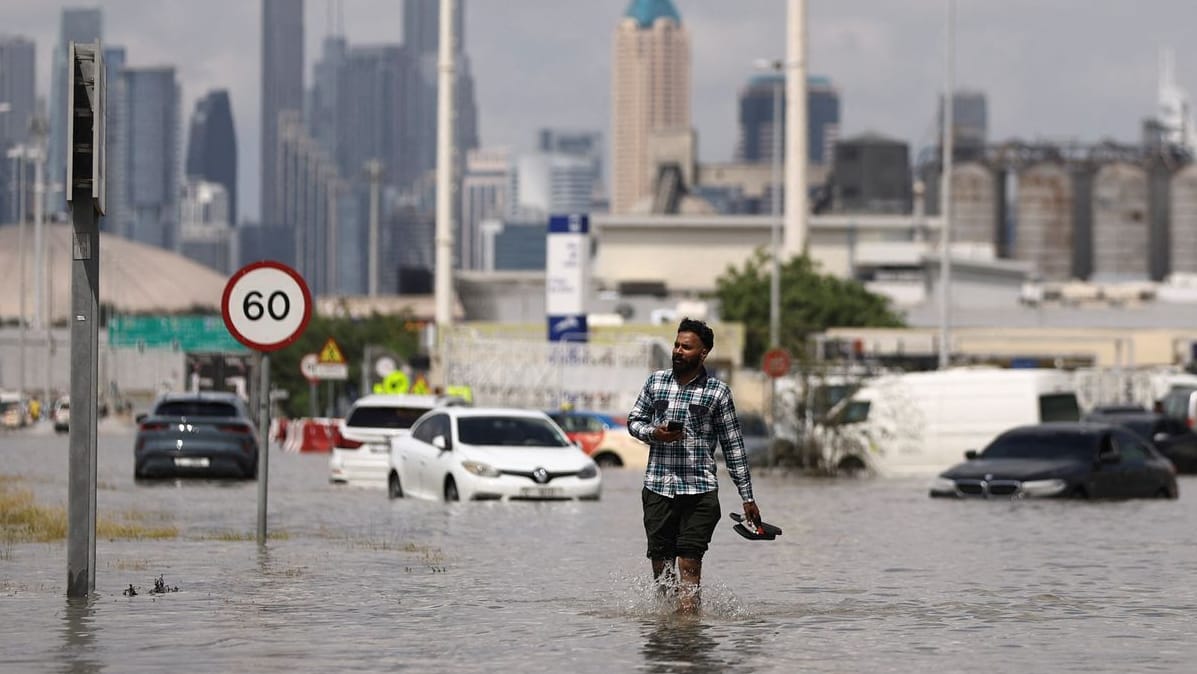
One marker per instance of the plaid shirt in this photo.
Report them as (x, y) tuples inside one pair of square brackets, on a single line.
[(687, 466)]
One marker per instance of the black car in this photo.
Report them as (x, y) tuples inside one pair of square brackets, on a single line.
[(1172, 437), (1062, 459), (196, 434)]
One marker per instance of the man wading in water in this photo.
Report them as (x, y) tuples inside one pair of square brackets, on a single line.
[(681, 414)]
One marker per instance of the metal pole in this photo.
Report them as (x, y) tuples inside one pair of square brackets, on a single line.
[(374, 173), (445, 120), (796, 131), (39, 247), (263, 441), (775, 240), (20, 158), (945, 209), (313, 403), (85, 308)]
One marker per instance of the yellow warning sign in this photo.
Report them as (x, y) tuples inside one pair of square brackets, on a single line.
[(331, 353), (420, 387)]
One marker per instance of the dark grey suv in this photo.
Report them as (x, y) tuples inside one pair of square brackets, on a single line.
[(207, 434)]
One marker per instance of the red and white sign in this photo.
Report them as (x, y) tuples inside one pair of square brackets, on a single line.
[(266, 305), (309, 365), (776, 363)]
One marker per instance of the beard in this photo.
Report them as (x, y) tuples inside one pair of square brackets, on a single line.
[(683, 366)]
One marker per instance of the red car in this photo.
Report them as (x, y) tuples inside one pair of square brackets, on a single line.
[(604, 437)]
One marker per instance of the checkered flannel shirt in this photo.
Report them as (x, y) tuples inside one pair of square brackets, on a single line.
[(687, 466)]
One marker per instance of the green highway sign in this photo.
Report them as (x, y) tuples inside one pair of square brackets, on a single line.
[(185, 333)]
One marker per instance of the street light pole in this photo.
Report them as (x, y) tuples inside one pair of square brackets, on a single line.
[(945, 234), (17, 154), (775, 210)]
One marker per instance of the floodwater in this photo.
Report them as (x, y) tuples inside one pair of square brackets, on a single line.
[(869, 576)]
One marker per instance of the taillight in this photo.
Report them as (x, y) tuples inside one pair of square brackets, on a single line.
[(342, 442), (152, 426), (235, 428)]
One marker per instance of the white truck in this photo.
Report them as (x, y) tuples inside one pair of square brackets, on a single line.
[(920, 423)]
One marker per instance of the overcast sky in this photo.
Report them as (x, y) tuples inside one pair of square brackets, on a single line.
[(1052, 69)]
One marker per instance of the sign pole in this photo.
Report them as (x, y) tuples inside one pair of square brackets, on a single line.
[(264, 441)]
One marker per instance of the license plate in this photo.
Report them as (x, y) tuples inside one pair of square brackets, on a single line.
[(191, 462), (542, 492)]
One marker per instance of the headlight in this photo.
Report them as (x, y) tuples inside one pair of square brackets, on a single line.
[(589, 472), (1043, 487), (942, 485), (480, 469)]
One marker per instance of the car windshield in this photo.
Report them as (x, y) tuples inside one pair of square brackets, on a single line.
[(1042, 445), (385, 417), (195, 408), (510, 432), (1141, 427)]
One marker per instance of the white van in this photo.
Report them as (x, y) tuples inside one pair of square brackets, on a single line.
[(920, 423)]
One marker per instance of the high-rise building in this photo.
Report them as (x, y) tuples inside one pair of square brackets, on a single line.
[(756, 118), (18, 95), (650, 94), (970, 123), (421, 42), (484, 189), (308, 185), (212, 146), (79, 24), (282, 91), (150, 158), (545, 184), (369, 121), (587, 145), (115, 142), (17, 99), (324, 100), (206, 234)]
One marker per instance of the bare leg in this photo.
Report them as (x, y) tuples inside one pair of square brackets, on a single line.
[(689, 597)]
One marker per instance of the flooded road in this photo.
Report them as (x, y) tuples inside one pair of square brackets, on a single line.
[(869, 576)]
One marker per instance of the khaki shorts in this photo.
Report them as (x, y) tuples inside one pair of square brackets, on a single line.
[(680, 526)]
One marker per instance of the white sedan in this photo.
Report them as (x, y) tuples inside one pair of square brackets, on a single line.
[(480, 454)]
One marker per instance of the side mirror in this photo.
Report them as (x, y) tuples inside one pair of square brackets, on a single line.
[(971, 454), (1109, 455), (440, 443), (139, 418)]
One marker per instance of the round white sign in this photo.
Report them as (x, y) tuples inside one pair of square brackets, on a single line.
[(266, 305)]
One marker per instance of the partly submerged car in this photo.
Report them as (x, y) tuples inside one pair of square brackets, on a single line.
[(1171, 436), (362, 440), (604, 437), (206, 434), (465, 453), (1063, 459)]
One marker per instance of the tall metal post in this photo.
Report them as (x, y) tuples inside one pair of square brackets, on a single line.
[(796, 131), (85, 190), (18, 155), (263, 441), (446, 82), (775, 244), (945, 193), (374, 174)]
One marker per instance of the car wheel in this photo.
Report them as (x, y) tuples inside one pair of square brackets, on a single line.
[(1165, 492), (394, 489), (451, 490), (608, 460)]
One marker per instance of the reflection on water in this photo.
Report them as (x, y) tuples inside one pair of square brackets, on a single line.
[(680, 643), (871, 575), (79, 628)]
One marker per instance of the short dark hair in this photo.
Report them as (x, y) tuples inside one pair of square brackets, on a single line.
[(705, 334)]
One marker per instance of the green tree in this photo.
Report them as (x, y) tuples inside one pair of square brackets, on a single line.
[(810, 302), (398, 333)]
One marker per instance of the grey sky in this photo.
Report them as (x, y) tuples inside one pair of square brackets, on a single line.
[(1052, 69)]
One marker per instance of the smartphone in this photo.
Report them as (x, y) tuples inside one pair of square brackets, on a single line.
[(673, 426)]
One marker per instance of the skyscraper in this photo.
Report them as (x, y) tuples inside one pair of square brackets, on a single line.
[(212, 146), (421, 41), (484, 187), (78, 25), (756, 118), (282, 90), (150, 158), (970, 123), (650, 93), (18, 95), (115, 112), (369, 121)]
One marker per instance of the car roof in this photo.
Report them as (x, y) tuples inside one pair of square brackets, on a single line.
[(1077, 427), (221, 396), (395, 399), (493, 411), (1120, 417)]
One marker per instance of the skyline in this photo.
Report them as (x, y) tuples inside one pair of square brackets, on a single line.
[(887, 62)]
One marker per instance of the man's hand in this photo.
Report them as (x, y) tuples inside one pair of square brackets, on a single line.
[(663, 434), (752, 514)]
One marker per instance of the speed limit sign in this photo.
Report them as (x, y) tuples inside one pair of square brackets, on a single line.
[(266, 305)]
